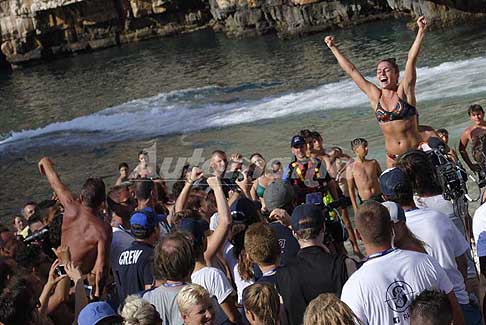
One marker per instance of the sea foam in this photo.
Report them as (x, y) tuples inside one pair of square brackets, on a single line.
[(192, 110)]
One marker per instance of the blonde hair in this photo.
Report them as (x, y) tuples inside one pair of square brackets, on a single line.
[(262, 300), (327, 309), (137, 311), (191, 295)]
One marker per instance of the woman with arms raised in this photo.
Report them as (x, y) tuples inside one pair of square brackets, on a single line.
[(393, 103)]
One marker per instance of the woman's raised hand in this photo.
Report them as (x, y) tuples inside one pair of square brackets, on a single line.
[(422, 23), (329, 40)]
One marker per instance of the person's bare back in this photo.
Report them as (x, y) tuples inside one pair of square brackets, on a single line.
[(86, 235)]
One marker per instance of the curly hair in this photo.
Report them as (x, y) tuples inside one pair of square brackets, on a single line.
[(431, 307), (327, 309), (17, 302), (262, 300), (419, 169), (137, 311)]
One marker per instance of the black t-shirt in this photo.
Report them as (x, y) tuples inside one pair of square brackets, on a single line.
[(288, 244), (314, 271), (272, 279), (134, 269)]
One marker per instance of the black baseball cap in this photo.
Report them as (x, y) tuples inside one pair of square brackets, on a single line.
[(394, 181), (243, 211), (196, 227), (297, 141), (307, 216)]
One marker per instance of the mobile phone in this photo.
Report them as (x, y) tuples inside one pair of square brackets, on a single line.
[(89, 290), (60, 270)]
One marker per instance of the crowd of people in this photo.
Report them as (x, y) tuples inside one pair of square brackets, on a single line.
[(258, 244)]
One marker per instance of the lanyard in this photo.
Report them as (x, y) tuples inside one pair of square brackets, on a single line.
[(175, 284), (269, 273), (380, 254), (124, 230), (412, 209)]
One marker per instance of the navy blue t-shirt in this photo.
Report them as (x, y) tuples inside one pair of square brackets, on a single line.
[(288, 244), (134, 269)]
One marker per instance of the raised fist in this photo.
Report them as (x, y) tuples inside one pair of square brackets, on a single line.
[(422, 23), (329, 40)]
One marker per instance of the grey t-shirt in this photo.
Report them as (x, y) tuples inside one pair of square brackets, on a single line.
[(164, 300)]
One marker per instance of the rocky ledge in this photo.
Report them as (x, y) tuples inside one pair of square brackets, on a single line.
[(35, 29), (240, 18)]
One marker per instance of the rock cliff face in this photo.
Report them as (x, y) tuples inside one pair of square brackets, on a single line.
[(33, 29), (442, 12), (289, 17), (292, 17)]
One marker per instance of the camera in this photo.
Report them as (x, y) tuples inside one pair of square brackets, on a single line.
[(452, 177), (37, 236)]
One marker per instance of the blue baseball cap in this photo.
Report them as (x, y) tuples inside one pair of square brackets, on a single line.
[(394, 181), (307, 216), (95, 312), (297, 141), (196, 227), (146, 219), (396, 212)]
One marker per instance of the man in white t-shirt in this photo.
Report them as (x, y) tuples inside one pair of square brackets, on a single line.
[(442, 239), (479, 232), (382, 290)]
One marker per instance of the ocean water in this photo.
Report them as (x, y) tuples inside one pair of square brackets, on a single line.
[(189, 95)]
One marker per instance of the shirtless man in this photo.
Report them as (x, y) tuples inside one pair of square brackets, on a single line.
[(143, 170), (335, 162), (316, 150), (444, 136), (86, 235), (475, 133), (363, 174)]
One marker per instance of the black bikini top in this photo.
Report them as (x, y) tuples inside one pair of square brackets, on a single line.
[(402, 111)]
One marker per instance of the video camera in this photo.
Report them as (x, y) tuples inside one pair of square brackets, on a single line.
[(451, 175), (316, 199), (37, 236)]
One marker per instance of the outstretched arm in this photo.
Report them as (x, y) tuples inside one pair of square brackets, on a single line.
[(217, 239), (410, 77), (181, 201), (46, 167), (367, 87)]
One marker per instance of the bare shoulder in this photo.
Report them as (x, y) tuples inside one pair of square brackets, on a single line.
[(350, 168), (467, 131)]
